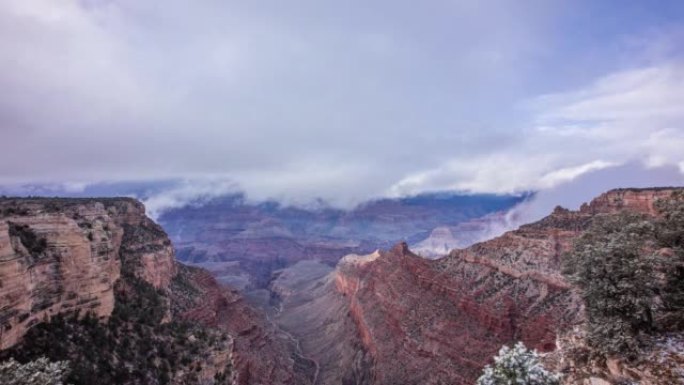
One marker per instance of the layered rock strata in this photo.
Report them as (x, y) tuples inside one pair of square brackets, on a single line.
[(72, 256), (420, 321)]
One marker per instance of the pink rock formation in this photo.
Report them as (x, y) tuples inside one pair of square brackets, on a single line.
[(75, 269), (63, 255), (440, 321)]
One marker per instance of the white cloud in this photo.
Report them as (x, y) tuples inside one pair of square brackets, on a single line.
[(342, 101), (633, 115), (285, 100), (556, 177), (187, 192)]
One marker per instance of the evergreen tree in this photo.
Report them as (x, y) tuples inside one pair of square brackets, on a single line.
[(670, 235), (616, 276)]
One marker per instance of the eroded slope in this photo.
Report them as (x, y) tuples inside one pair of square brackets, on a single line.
[(418, 321)]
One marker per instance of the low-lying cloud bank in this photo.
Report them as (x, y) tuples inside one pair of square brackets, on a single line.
[(160, 196), (571, 195), (581, 190)]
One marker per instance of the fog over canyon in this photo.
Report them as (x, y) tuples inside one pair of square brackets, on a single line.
[(315, 192)]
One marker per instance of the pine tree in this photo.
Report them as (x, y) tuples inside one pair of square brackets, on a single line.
[(616, 276)]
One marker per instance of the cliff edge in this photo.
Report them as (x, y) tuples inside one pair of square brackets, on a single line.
[(95, 281)]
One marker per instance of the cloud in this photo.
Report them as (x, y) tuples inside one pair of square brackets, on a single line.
[(342, 101), (574, 192), (557, 177), (186, 192), (128, 90), (629, 116)]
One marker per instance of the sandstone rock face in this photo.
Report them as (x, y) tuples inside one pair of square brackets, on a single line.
[(58, 256), (420, 321), (426, 322), (315, 312), (63, 255), (637, 200)]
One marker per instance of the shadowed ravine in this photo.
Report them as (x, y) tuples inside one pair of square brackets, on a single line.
[(301, 273), (298, 350), (308, 307)]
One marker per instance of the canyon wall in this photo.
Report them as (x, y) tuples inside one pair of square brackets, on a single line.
[(243, 243), (390, 317), (261, 354), (62, 256), (65, 255), (420, 321)]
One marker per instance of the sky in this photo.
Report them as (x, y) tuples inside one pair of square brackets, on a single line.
[(342, 101)]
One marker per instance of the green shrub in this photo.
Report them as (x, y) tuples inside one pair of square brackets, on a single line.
[(28, 238), (670, 235), (616, 277), (630, 272)]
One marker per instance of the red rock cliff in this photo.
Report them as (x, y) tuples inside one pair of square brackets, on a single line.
[(64, 255), (441, 321), (260, 355)]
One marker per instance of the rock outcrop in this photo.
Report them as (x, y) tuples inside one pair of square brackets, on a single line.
[(640, 200), (86, 256), (420, 321), (316, 312), (661, 364), (65, 255)]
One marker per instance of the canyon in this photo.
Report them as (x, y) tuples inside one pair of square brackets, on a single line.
[(85, 256), (380, 316), (243, 243), (393, 317)]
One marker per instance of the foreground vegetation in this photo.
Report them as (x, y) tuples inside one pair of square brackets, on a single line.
[(135, 346), (517, 365), (630, 272), (38, 372)]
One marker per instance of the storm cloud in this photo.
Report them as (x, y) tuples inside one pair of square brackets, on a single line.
[(339, 100)]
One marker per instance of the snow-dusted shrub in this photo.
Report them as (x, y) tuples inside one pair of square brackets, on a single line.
[(38, 372), (517, 366)]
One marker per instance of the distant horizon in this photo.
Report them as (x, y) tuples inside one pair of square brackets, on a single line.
[(163, 196), (144, 191)]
